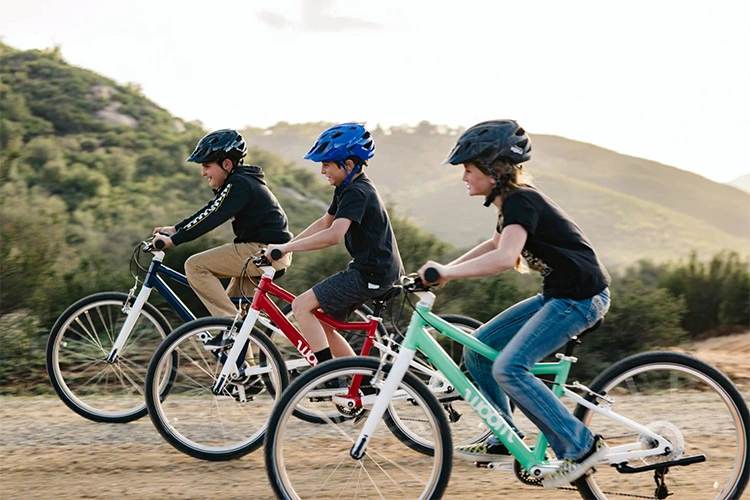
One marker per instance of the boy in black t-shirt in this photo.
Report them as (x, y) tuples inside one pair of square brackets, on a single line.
[(532, 232), (357, 215)]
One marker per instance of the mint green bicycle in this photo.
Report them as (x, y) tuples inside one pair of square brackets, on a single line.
[(681, 426)]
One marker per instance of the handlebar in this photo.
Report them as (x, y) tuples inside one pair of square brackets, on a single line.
[(275, 254), (413, 283), (149, 245), (431, 275)]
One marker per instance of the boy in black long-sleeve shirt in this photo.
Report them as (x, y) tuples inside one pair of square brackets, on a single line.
[(258, 220)]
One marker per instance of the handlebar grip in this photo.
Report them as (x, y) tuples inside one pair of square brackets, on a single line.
[(158, 244), (431, 275), (275, 254)]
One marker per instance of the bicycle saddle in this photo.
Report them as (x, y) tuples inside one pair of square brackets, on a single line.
[(589, 330)]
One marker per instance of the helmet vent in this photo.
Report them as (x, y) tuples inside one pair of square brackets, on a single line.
[(520, 132), (366, 135), (484, 131), (367, 145), (322, 147), (337, 134), (523, 143)]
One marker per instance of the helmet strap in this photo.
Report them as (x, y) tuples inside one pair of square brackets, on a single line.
[(357, 168)]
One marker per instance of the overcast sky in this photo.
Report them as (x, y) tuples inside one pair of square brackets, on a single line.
[(663, 80)]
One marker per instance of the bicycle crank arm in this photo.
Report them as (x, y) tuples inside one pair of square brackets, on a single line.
[(623, 468)]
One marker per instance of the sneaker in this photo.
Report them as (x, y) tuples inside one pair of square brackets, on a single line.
[(483, 452), (569, 470)]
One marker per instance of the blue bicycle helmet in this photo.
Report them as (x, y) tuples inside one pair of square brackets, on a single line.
[(342, 142), (218, 145)]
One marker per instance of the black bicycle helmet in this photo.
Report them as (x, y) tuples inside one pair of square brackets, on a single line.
[(489, 141), (218, 145)]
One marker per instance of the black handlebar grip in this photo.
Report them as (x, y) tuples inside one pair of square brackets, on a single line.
[(159, 244), (275, 254), (431, 275)]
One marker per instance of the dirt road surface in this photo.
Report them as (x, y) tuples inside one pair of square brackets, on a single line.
[(48, 452)]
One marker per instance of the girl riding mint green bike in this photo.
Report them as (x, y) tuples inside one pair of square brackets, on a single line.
[(574, 296)]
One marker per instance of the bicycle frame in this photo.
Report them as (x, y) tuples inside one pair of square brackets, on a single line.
[(532, 459), (261, 302), (153, 281)]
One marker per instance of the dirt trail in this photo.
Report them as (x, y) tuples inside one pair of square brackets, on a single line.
[(49, 452)]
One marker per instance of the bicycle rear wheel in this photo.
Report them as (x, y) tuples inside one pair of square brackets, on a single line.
[(694, 406), (305, 460), (194, 420), (76, 357)]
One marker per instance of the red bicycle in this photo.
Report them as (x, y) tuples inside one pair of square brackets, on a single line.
[(227, 374)]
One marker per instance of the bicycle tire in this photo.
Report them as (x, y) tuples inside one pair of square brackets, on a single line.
[(279, 463), (224, 427), (84, 343), (641, 384)]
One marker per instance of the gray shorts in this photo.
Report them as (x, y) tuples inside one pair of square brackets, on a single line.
[(343, 293)]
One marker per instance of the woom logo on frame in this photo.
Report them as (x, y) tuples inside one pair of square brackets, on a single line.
[(493, 420)]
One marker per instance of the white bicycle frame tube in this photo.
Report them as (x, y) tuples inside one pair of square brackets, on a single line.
[(229, 369), (133, 314), (387, 391), (624, 453)]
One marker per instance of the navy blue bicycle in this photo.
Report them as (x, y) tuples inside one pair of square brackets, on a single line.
[(99, 348)]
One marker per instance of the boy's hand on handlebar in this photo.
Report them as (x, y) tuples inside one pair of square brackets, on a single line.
[(165, 229), (440, 268), (270, 250), (166, 240)]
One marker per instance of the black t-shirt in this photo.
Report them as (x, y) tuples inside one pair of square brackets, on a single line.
[(369, 239), (256, 215), (555, 246)]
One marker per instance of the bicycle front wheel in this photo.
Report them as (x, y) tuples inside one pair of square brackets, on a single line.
[(690, 403), (307, 460), (77, 350), (194, 420)]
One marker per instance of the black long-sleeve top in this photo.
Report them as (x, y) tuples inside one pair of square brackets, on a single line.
[(245, 198)]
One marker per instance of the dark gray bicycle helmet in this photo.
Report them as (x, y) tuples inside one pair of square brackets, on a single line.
[(489, 141), (218, 145)]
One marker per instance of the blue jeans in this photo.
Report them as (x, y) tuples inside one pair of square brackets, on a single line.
[(525, 334)]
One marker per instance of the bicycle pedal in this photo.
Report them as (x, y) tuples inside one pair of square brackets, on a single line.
[(500, 466)]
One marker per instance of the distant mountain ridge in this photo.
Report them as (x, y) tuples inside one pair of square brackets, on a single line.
[(630, 208), (741, 182)]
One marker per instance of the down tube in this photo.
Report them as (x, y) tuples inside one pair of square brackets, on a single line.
[(437, 356)]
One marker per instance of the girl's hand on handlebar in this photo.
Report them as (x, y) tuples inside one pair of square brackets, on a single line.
[(166, 241), (440, 268), (270, 250), (170, 230)]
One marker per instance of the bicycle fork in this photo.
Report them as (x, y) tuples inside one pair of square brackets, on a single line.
[(229, 369), (394, 378), (133, 313)]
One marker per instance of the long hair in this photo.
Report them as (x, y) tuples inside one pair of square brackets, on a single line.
[(508, 178)]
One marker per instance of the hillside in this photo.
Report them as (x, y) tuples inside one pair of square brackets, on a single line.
[(631, 208), (88, 167), (742, 182)]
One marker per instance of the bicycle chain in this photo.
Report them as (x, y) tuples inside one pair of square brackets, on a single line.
[(572, 488)]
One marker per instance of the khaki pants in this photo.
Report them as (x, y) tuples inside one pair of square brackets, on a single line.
[(204, 269)]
